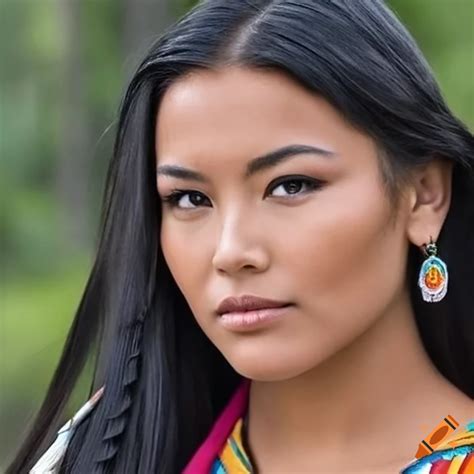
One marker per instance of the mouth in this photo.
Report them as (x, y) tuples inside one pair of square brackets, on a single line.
[(246, 303), (244, 321)]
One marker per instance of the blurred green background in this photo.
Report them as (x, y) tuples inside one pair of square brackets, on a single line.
[(65, 65)]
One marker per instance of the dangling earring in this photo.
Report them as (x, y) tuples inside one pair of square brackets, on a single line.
[(433, 278)]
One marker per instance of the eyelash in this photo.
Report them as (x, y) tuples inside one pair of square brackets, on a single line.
[(174, 196)]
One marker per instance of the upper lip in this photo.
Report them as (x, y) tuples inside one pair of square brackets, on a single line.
[(247, 303)]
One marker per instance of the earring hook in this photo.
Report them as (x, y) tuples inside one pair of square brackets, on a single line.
[(430, 249)]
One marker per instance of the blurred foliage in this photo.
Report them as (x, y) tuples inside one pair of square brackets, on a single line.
[(65, 65), (444, 31)]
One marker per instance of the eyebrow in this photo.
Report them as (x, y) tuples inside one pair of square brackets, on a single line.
[(263, 162)]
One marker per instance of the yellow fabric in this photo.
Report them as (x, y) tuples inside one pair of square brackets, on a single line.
[(232, 462), (456, 463)]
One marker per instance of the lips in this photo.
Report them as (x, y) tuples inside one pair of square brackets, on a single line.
[(247, 303)]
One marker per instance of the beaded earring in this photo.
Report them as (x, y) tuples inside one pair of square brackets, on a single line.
[(433, 277)]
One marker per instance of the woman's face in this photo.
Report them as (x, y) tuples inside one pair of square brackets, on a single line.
[(324, 241)]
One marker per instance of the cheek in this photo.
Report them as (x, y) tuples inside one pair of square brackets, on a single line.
[(179, 255), (348, 262), (187, 257)]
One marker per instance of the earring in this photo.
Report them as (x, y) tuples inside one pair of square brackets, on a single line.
[(433, 278)]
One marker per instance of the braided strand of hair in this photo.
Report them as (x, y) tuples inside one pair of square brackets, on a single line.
[(116, 421)]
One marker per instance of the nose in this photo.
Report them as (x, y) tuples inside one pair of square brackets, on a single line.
[(240, 246)]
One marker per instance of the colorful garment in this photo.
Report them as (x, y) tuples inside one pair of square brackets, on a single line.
[(233, 458), (224, 433), (455, 455)]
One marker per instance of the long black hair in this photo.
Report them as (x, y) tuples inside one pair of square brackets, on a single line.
[(165, 381)]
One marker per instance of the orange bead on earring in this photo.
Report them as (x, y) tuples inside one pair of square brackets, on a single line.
[(433, 277)]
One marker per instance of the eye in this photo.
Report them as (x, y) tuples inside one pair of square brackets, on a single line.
[(292, 184), (174, 198)]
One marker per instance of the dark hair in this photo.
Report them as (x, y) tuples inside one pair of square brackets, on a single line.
[(165, 381)]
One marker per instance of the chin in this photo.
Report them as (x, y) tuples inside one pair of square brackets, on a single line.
[(269, 371), (272, 360)]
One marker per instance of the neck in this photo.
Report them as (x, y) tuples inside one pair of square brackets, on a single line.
[(375, 400)]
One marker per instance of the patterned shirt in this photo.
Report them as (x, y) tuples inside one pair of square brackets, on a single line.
[(232, 457)]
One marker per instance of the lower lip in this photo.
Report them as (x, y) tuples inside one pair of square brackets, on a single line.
[(250, 320)]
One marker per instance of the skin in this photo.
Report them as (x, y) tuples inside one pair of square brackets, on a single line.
[(342, 384)]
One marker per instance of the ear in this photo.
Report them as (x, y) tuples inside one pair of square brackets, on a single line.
[(429, 200)]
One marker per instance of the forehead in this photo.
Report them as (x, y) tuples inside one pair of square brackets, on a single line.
[(220, 112)]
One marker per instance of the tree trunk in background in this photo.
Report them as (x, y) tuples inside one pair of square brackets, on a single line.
[(143, 22), (73, 140)]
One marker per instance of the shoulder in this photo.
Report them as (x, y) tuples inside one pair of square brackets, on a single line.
[(50, 461), (455, 455)]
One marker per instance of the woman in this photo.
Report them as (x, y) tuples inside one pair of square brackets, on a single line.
[(296, 162)]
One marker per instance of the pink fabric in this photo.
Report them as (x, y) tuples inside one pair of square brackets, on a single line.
[(203, 458)]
